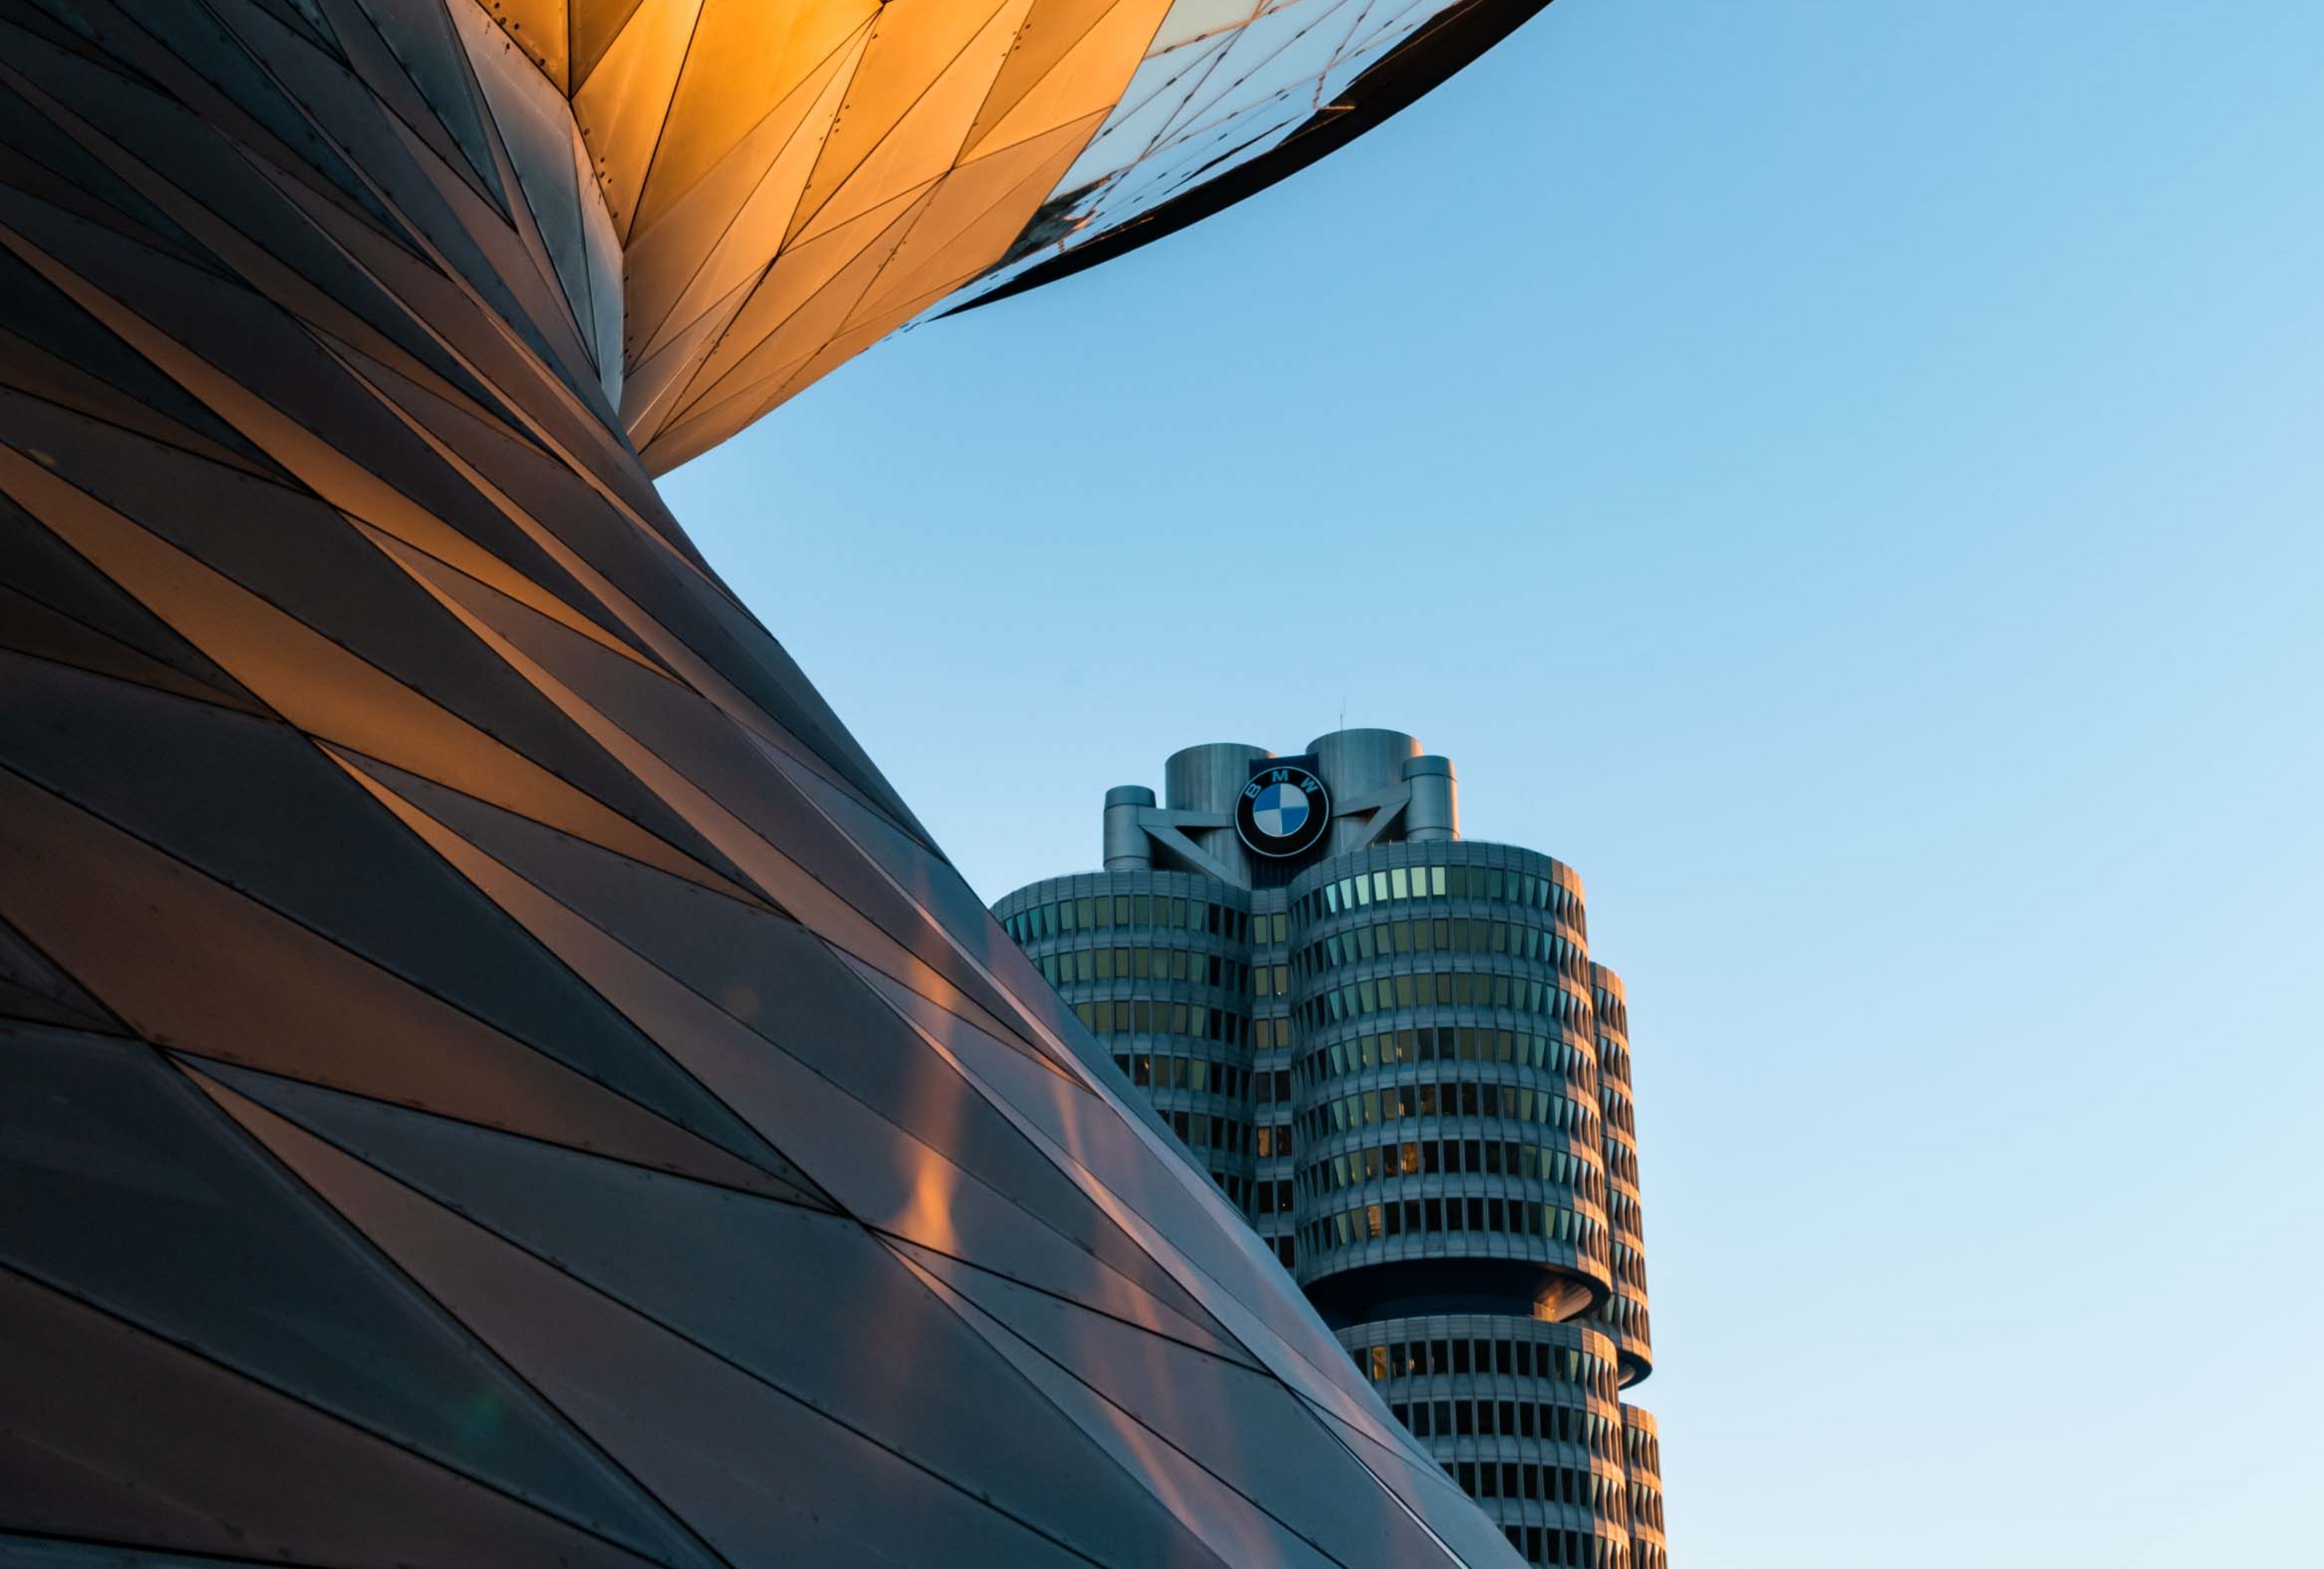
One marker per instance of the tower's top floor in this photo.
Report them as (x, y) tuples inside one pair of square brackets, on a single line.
[(1247, 816)]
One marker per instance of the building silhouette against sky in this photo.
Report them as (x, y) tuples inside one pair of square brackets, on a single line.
[(1389, 1047)]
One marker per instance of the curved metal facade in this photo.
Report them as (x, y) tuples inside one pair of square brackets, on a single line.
[(784, 182), (1396, 1057), (489, 1071)]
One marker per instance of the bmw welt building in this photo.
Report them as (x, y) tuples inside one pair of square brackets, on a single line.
[(1389, 1046)]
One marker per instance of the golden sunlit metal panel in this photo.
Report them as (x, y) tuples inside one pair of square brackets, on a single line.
[(725, 137)]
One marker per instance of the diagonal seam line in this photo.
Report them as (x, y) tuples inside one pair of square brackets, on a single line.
[(633, 1310), (649, 331), (897, 1239), (398, 976), (661, 127), (836, 1087), (341, 1419), (803, 1065), (1164, 1439), (354, 654), (799, 219)]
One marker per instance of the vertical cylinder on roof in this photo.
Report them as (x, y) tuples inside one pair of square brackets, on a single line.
[(1355, 763), (1126, 848), (1208, 779), (1433, 816)]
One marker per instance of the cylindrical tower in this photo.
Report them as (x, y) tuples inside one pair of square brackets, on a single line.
[(1358, 763), (1158, 966), (1642, 1466), (1434, 814), (1125, 845), (1208, 779), (1624, 1316), (1524, 1415), (1445, 1089)]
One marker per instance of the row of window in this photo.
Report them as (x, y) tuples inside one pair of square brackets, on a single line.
[(1465, 988), (1556, 1549), (1395, 885), (1621, 1160), (1465, 1043), (1238, 1191), (1613, 1057), (1129, 1017), (1629, 1266), (1642, 1451), (1454, 1216), (1394, 1103), (1616, 1105), (1490, 1157), (1100, 912), (1646, 1507), (1455, 1357), (1271, 1034), (1125, 963), (1649, 1556), (1092, 912), (1626, 1316), (1170, 1071), (1495, 1158), (1536, 1483), (1626, 1312), (1540, 1484), (1092, 964), (1446, 935), (1163, 1071), (1613, 1011), (1199, 1131)]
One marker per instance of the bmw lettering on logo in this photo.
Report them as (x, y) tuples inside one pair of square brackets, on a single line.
[(1283, 811)]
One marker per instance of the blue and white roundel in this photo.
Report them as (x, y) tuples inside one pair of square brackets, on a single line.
[(1279, 810), (1283, 811)]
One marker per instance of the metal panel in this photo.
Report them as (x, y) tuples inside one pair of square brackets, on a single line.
[(108, 1433), (126, 1187)]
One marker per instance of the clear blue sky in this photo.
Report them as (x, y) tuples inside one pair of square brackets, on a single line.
[(1847, 476)]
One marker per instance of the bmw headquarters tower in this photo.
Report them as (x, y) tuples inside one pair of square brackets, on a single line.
[(491, 1076), (1389, 1046)]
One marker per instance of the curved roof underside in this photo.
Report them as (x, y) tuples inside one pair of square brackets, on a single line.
[(781, 183)]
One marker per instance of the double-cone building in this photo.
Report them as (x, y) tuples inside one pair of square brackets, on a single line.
[(1388, 1046), (490, 1073)]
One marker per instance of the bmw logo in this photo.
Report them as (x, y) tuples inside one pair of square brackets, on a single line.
[(1283, 811)]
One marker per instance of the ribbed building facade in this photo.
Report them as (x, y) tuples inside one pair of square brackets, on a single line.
[(1390, 1047)]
